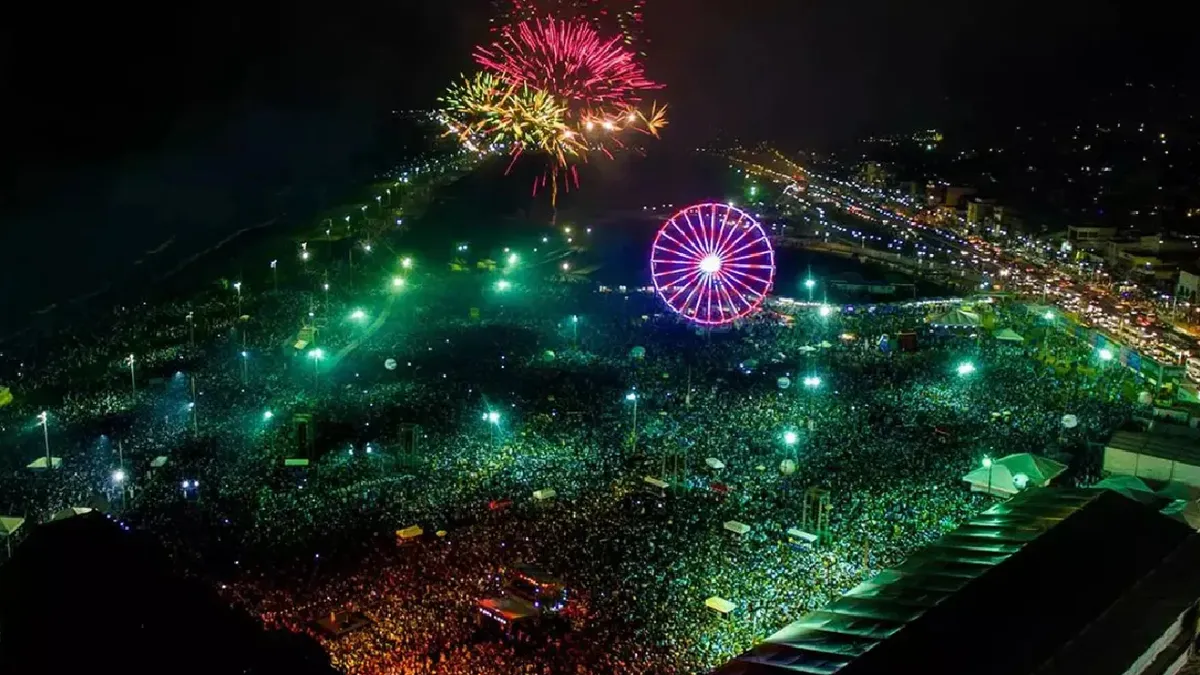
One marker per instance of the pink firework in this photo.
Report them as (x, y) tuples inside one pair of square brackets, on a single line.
[(712, 264), (567, 59)]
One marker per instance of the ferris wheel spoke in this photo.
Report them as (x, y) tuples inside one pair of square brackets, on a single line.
[(679, 257), (756, 286), (679, 274), (722, 244), (691, 288), (699, 235), (760, 242), (724, 290), (688, 242)]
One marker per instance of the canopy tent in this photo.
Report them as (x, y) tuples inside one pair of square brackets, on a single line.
[(508, 609), (1177, 490), (1008, 335), (1009, 475), (720, 606), (956, 318), (410, 532), (8, 527), (39, 464), (736, 527), (660, 484), (158, 462), (1128, 486), (544, 494), (1187, 512), (715, 463), (71, 512)]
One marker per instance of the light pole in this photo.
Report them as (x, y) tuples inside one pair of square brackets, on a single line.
[(132, 378), (811, 384), (633, 397), (42, 418), (575, 328), (191, 320), (275, 274), (195, 411), (237, 286), (316, 355), (987, 464), (492, 417), (245, 377)]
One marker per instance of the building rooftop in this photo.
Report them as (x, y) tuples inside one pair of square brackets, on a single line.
[(1018, 589)]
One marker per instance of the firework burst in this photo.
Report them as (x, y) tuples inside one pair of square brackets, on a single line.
[(568, 59)]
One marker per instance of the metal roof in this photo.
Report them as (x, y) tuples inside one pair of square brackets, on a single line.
[(995, 579), (1176, 448)]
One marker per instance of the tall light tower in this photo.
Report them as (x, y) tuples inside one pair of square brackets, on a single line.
[(43, 420), (132, 377)]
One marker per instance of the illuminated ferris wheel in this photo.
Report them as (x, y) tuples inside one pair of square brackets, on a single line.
[(712, 264)]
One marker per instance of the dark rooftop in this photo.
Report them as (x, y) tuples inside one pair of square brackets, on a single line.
[(1021, 588)]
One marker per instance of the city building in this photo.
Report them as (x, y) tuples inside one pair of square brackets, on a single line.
[(1050, 582), (1087, 235), (979, 212), (1187, 286), (955, 195)]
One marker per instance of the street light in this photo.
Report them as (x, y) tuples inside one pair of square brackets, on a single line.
[(358, 315), (633, 398), (406, 263), (812, 382), (825, 311), (245, 375), (1106, 354), (132, 380), (237, 286), (575, 328), (275, 274), (965, 368), (987, 464), (397, 282), (791, 438), (503, 285), (268, 415), (118, 476)]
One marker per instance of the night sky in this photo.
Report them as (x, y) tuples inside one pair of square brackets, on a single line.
[(125, 127)]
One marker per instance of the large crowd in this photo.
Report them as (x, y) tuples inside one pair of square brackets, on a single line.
[(888, 433)]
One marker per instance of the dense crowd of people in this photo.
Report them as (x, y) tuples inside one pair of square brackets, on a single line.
[(549, 386)]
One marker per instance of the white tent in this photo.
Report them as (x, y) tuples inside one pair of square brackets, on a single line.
[(956, 318), (8, 527), (1184, 511), (544, 494), (63, 514), (736, 527), (660, 484), (1009, 475), (715, 463), (721, 606), (39, 464), (1129, 486), (1008, 335)]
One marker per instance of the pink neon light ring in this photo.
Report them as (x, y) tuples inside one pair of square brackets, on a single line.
[(712, 264)]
